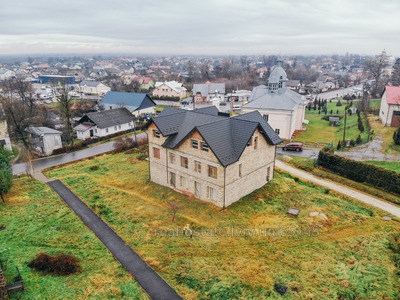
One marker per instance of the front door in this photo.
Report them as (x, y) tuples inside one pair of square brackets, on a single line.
[(91, 132), (395, 119)]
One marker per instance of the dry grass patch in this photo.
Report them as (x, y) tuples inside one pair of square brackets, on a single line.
[(243, 251)]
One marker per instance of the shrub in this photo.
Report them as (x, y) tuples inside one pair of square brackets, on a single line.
[(123, 143), (61, 264), (339, 103), (280, 288), (396, 137)]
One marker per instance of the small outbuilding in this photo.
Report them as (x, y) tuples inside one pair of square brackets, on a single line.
[(44, 139)]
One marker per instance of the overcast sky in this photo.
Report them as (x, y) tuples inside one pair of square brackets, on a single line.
[(205, 27)]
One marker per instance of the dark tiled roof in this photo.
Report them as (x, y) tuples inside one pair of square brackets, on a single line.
[(226, 137), (108, 118)]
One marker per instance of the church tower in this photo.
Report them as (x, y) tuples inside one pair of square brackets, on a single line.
[(277, 79)]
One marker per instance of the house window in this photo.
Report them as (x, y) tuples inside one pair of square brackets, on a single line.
[(240, 170), (277, 130), (115, 127), (183, 181), (156, 133), (255, 142), (265, 117), (195, 144), (184, 162), (95, 130), (197, 189), (172, 179), (119, 126), (210, 193), (172, 158), (106, 130), (156, 152), (197, 166), (212, 171), (204, 147)]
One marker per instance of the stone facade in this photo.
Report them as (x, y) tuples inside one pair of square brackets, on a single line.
[(168, 168)]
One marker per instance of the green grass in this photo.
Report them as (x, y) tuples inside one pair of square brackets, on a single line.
[(390, 165), (384, 133), (319, 133), (36, 220), (315, 258)]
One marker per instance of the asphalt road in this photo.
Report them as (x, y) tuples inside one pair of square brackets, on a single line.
[(306, 153), (52, 161), (340, 92)]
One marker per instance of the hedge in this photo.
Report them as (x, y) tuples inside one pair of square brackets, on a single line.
[(361, 172)]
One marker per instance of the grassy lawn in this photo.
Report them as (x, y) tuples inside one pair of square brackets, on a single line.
[(242, 251), (390, 165), (319, 133), (36, 220), (384, 133), (375, 103)]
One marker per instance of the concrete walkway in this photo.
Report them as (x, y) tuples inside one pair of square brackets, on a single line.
[(147, 278), (389, 208)]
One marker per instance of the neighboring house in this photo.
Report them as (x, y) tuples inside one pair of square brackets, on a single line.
[(211, 157), (136, 103), (104, 123), (4, 137), (294, 85), (390, 106), (93, 87), (146, 83), (283, 108), (44, 139), (6, 74), (169, 89), (207, 91)]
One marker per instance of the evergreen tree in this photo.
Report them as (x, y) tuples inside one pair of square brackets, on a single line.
[(395, 78), (5, 172), (359, 140), (396, 137), (339, 145)]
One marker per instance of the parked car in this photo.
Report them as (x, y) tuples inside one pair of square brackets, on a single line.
[(237, 107), (185, 102), (293, 147)]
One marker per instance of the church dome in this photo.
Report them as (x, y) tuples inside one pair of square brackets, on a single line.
[(278, 74)]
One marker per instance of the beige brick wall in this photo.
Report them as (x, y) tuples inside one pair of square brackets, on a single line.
[(254, 169)]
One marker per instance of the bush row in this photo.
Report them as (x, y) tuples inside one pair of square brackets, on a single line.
[(360, 171), (166, 98)]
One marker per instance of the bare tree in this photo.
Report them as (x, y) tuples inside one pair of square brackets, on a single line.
[(174, 208), (375, 67), (395, 78)]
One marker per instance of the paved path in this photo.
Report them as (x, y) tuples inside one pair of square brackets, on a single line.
[(52, 161), (390, 208), (148, 279)]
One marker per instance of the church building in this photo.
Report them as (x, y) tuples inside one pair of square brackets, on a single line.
[(282, 108)]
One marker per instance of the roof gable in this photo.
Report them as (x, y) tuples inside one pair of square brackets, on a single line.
[(108, 118), (392, 95), (226, 137)]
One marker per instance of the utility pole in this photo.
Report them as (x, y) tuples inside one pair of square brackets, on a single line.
[(345, 121)]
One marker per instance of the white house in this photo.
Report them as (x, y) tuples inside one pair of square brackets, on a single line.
[(169, 89), (4, 137), (44, 139), (103, 123), (136, 103), (93, 87), (389, 113), (283, 108), (6, 74)]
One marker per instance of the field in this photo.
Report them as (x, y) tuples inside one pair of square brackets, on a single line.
[(390, 165), (320, 133), (36, 220), (250, 247)]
